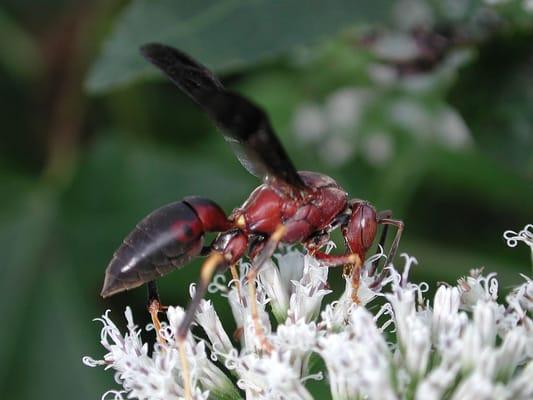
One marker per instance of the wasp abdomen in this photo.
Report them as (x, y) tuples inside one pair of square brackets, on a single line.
[(164, 240)]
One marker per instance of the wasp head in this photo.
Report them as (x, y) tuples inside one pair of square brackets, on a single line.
[(360, 229)]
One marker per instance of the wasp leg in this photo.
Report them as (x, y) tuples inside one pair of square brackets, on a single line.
[(383, 238), (317, 241), (399, 230), (356, 280), (394, 246), (265, 253), (235, 277), (352, 264), (209, 267), (330, 260), (154, 308), (237, 334), (185, 375)]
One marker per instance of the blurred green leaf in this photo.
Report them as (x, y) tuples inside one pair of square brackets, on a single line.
[(47, 324), (57, 332), (495, 96), (223, 34), (24, 235), (18, 52)]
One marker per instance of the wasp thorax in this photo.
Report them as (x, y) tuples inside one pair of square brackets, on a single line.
[(360, 230)]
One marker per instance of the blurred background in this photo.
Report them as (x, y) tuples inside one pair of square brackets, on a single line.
[(423, 107)]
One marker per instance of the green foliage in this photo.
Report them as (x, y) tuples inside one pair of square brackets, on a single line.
[(501, 81), (227, 34)]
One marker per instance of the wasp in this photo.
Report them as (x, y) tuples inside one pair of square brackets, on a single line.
[(289, 206)]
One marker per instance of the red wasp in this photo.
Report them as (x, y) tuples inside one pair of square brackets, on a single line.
[(289, 206)]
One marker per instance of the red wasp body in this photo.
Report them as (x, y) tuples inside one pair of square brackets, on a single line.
[(173, 234), (268, 207), (290, 206)]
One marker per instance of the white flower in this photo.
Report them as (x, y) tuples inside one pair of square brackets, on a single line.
[(298, 341), (409, 14), (451, 129), (525, 236), (522, 386), (336, 150), (447, 322), (242, 312), (395, 47), (437, 381), (485, 322), (477, 287), (208, 319), (476, 387), (411, 116), (378, 148), (358, 359), (344, 107), (309, 291), (296, 288), (412, 326), (382, 74), (521, 298), (277, 289), (270, 377), (309, 122), (461, 345), (155, 377), (512, 352)]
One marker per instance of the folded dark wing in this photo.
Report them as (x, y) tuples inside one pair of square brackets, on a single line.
[(244, 125)]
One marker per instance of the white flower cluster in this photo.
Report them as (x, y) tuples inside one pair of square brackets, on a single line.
[(463, 345), (404, 71)]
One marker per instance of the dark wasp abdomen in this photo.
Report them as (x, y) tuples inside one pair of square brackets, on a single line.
[(164, 240)]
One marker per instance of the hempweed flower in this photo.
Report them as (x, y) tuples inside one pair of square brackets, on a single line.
[(464, 343)]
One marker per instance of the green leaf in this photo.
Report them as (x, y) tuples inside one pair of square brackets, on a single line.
[(24, 236), (223, 34), (56, 334), (18, 52), (495, 96)]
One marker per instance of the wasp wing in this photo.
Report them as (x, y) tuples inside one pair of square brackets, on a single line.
[(244, 125)]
